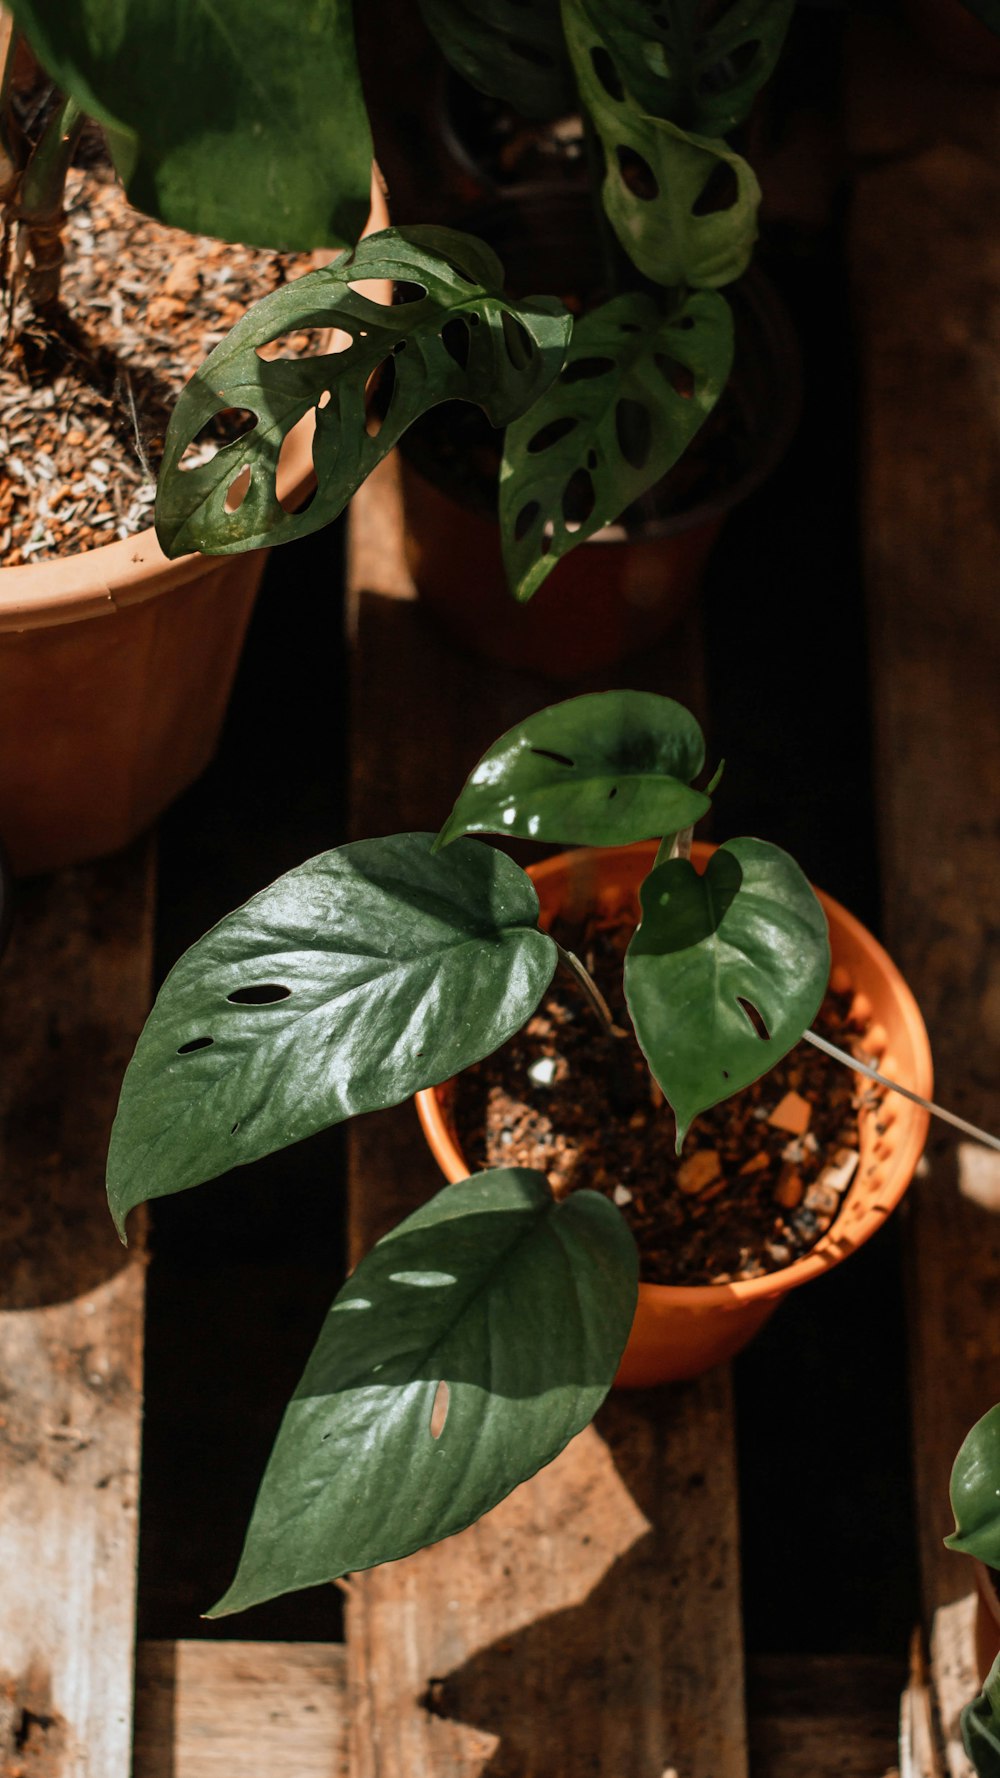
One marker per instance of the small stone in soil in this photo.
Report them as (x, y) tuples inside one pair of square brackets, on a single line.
[(792, 1113)]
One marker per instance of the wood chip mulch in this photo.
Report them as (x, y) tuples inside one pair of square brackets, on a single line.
[(86, 393), (761, 1177)]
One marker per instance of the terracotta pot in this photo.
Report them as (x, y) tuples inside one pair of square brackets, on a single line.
[(681, 1330), (629, 585)]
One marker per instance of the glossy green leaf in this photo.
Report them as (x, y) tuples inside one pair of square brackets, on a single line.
[(677, 62), (458, 341), (248, 125), (750, 930), (518, 1306), (683, 206), (600, 770), (975, 1492), (512, 49), (634, 390), (981, 1726), (365, 974)]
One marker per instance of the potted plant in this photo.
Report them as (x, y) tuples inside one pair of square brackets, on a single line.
[(115, 664), (597, 406), (482, 1332), (975, 1500)]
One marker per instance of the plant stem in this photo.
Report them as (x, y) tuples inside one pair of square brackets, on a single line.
[(586, 981), (674, 845), (949, 1117), (40, 206)]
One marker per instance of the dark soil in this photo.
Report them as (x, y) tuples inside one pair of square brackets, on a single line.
[(761, 1177)]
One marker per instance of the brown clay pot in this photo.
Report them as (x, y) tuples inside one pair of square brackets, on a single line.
[(679, 1331)]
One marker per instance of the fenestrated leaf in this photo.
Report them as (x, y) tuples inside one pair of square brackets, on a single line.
[(518, 1306), (635, 388), (459, 341), (749, 930), (600, 770), (512, 49), (981, 1726), (683, 206), (249, 126), (367, 973), (699, 72), (975, 1492)]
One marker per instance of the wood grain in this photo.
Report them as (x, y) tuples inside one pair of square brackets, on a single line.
[(73, 991), (927, 280), (823, 1716), (591, 1624), (240, 1710)]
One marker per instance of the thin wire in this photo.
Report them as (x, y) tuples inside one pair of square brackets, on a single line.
[(949, 1117)]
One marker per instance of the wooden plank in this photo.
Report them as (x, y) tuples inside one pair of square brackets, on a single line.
[(240, 1710), (823, 1716), (591, 1624), (927, 280), (73, 992)]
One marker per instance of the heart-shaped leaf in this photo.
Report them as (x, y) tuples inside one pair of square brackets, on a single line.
[(634, 390), (724, 972), (508, 49), (456, 339), (700, 73), (600, 770), (683, 206), (494, 1310), (975, 1492), (981, 1726), (367, 973), (253, 128)]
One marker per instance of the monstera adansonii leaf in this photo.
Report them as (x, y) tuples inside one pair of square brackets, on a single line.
[(683, 206), (453, 338), (724, 972), (252, 128), (679, 61), (512, 49), (975, 1492), (367, 973), (981, 1726), (462, 1354), (599, 770), (636, 386)]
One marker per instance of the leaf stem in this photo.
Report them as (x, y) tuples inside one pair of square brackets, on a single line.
[(674, 845), (593, 993), (40, 202), (948, 1117)]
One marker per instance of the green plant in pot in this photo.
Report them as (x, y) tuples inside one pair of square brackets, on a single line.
[(975, 1499), (598, 407), (483, 1332)]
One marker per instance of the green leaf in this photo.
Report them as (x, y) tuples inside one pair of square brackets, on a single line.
[(512, 51), (981, 1726), (702, 74), (367, 973), (634, 390), (519, 1305), (975, 1492), (750, 929), (599, 770), (460, 341), (683, 206), (248, 125)]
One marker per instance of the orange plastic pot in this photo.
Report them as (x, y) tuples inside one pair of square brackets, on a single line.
[(680, 1331)]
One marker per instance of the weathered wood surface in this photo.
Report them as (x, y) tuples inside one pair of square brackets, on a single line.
[(926, 269), (823, 1716), (591, 1624), (73, 992), (240, 1710)]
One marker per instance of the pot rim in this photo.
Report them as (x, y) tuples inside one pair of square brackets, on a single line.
[(840, 1239)]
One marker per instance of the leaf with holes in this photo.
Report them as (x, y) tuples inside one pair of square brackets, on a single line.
[(981, 1726), (701, 74), (683, 206), (367, 973), (457, 339), (725, 971), (634, 390), (464, 1352), (600, 770), (250, 127), (975, 1492), (511, 49)]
